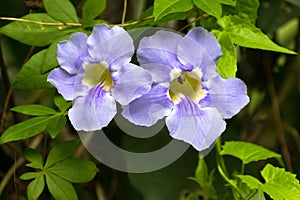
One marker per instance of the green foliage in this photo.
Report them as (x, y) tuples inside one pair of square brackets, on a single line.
[(47, 120), (227, 64), (204, 179), (245, 34), (61, 10), (279, 184), (34, 110), (35, 34), (247, 9), (30, 77), (91, 9), (212, 7), (164, 7), (59, 171), (248, 152)]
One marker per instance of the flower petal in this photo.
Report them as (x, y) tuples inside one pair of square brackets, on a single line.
[(131, 82), (148, 109), (69, 86), (110, 44), (197, 126), (160, 48), (160, 73), (94, 111), (72, 53), (207, 41), (228, 96), (192, 55)]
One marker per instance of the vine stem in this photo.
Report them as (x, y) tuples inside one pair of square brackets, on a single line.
[(41, 23), (222, 170), (124, 13), (18, 163)]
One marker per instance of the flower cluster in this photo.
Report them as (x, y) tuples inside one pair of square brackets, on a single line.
[(176, 79)]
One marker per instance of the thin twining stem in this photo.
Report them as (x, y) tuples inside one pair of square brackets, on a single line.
[(60, 24), (40, 23), (124, 13)]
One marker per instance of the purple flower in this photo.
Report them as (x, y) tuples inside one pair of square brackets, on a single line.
[(187, 90), (95, 72)]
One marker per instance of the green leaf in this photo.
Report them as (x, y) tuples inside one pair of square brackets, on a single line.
[(30, 175), (61, 10), (60, 188), (201, 173), (61, 151), (35, 34), (36, 187), (251, 181), (247, 152), (75, 170), (165, 7), (34, 157), (91, 9), (29, 76), (248, 9), (245, 34), (227, 63), (212, 7), (62, 104), (192, 197), (25, 129), (280, 184), (50, 60), (228, 2), (55, 125), (34, 110)]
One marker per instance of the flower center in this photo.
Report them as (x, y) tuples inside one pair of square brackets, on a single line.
[(97, 74), (188, 84)]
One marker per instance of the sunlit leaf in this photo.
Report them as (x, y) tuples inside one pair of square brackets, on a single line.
[(165, 7), (212, 7), (55, 125), (247, 152), (245, 34)]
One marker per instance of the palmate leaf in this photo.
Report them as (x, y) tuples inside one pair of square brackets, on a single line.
[(60, 188), (61, 10), (35, 158), (36, 187), (165, 7), (244, 33), (29, 128), (35, 34), (75, 170), (248, 152), (279, 184), (61, 151)]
